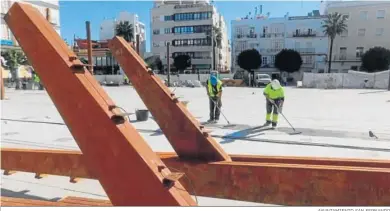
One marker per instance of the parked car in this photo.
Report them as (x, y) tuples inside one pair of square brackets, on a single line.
[(262, 80)]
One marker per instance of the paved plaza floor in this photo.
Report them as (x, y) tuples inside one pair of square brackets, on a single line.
[(334, 123)]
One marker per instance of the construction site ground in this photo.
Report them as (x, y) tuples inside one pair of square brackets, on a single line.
[(334, 123)]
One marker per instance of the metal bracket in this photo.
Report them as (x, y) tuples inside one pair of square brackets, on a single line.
[(170, 180)]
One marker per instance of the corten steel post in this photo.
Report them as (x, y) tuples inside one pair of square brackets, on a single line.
[(89, 46), (126, 167), (178, 125), (168, 65), (137, 43)]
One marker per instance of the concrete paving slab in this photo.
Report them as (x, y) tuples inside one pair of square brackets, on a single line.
[(334, 123)]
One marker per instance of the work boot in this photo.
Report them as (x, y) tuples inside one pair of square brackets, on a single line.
[(210, 121), (267, 123), (274, 124)]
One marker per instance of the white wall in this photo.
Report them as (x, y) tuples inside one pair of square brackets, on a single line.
[(352, 79), (107, 29), (173, 78)]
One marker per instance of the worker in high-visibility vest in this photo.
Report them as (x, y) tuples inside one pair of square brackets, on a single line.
[(125, 79), (37, 81), (274, 94), (214, 91)]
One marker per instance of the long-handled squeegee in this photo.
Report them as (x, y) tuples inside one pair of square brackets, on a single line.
[(295, 131)]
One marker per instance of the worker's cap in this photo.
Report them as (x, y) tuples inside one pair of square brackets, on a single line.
[(213, 80), (275, 84)]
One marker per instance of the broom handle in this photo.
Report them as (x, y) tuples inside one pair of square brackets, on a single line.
[(277, 107)]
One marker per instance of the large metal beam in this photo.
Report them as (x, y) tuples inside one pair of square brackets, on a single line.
[(266, 179), (182, 130), (127, 168)]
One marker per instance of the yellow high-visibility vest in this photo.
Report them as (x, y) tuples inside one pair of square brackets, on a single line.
[(210, 88)]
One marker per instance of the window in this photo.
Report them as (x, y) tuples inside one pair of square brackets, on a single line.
[(379, 31), (363, 15), (167, 18), (265, 60), (343, 53), (272, 59), (359, 52), (361, 32), (380, 14), (156, 31), (167, 30)]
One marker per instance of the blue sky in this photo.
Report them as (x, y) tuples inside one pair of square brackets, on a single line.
[(73, 14)]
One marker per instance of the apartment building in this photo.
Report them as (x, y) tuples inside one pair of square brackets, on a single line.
[(187, 27), (368, 26), (107, 29), (270, 35), (49, 9)]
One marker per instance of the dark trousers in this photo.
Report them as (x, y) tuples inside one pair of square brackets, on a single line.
[(215, 106)]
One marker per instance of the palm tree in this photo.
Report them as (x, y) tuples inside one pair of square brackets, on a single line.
[(334, 25), (218, 36), (125, 30)]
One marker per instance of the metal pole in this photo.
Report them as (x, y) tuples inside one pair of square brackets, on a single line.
[(137, 43), (89, 43), (168, 66)]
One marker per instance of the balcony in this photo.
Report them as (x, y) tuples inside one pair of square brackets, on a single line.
[(305, 50), (303, 34), (241, 36), (268, 50), (271, 35), (343, 57)]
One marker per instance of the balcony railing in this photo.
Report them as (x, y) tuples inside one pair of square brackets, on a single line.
[(246, 36), (268, 50), (305, 50), (269, 35), (183, 6), (307, 34)]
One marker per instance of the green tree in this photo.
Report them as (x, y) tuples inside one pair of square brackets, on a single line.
[(376, 59), (154, 62), (14, 59), (182, 62), (250, 60), (288, 60), (334, 25), (125, 29)]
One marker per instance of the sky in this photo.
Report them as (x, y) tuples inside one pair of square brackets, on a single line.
[(73, 14)]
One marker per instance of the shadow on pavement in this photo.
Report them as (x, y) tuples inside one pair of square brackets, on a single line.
[(246, 133), (23, 194)]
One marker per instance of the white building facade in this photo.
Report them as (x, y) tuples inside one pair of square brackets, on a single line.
[(270, 35), (48, 8), (187, 26), (368, 26), (107, 28)]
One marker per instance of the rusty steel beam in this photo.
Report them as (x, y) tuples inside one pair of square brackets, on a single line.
[(177, 123), (126, 167), (265, 179)]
